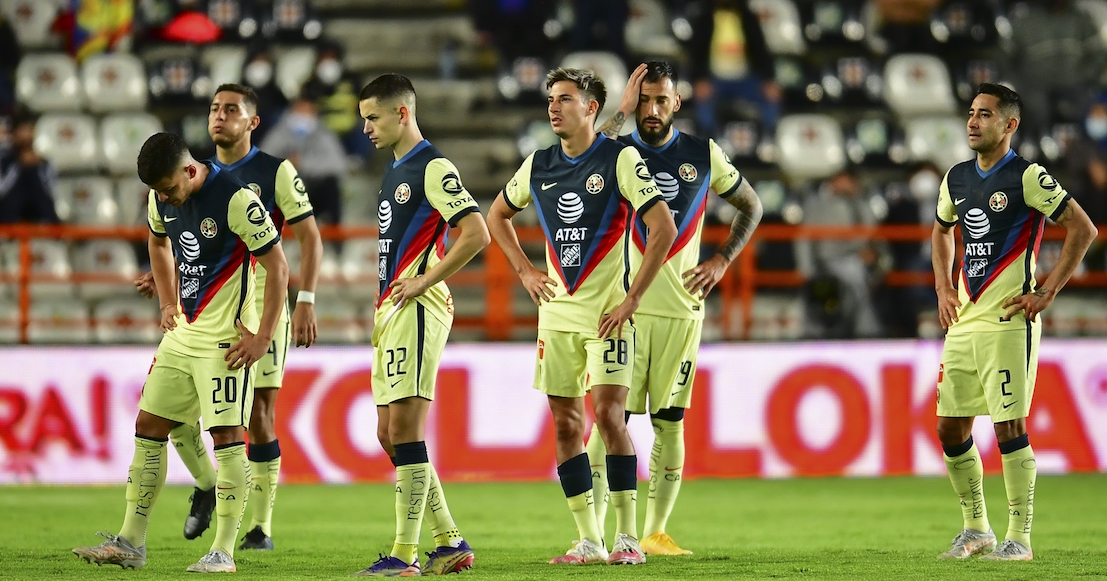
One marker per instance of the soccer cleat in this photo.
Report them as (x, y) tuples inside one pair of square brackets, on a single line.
[(116, 550), (214, 562), (970, 542), (390, 567), (626, 551), (257, 540), (1010, 551), (661, 543), (199, 516), (445, 560), (583, 551)]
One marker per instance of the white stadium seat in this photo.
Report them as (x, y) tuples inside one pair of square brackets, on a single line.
[(360, 268), (127, 320), (114, 82), (940, 140), (132, 196), (338, 322), (224, 63), (68, 140), (780, 22), (810, 146), (9, 322), (59, 321), (122, 135), (609, 67), (918, 84), (294, 67), (648, 30), (32, 20), (86, 200), (49, 82), (49, 267), (105, 268)]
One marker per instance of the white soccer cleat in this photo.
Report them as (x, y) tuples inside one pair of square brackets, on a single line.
[(214, 562), (626, 551), (970, 542), (584, 551), (1010, 551), (115, 550)]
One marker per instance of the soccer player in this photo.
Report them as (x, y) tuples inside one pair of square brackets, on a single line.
[(216, 228), (585, 189), (421, 196), (232, 117), (669, 321), (990, 358)]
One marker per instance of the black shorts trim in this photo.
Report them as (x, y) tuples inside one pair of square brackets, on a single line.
[(420, 343)]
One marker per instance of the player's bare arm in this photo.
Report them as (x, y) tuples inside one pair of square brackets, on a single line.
[(1079, 234), (627, 105), (473, 238), (942, 242), (663, 232), (253, 347), (304, 326), (538, 285), (701, 279), (161, 264)]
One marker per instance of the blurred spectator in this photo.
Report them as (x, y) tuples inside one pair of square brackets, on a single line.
[(259, 74), (315, 150), (600, 26), (26, 180), (336, 91), (1083, 172), (729, 60), (916, 203), (515, 28), (1055, 58), (905, 25), (841, 273), (10, 53)]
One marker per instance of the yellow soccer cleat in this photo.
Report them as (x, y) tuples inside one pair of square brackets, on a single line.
[(662, 544)]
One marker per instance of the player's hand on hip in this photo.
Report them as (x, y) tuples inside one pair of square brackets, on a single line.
[(408, 288), (700, 280), (1030, 304), (614, 320), (948, 303), (249, 349), (538, 285), (145, 285), (168, 318), (304, 326)]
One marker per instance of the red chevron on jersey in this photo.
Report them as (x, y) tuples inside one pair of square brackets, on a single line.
[(231, 264), (615, 231), (430, 231), (1031, 229)]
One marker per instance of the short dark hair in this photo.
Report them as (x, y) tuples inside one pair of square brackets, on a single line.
[(657, 70), (160, 156), (1010, 104), (387, 87), (248, 95), (589, 83)]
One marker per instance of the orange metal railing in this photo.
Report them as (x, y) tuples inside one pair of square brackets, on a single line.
[(736, 290)]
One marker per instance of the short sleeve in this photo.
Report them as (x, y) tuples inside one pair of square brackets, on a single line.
[(1041, 192), (292, 198), (446, 193), (247, 217), (947, 213), (517, 192), (725, 178), (153, 217), (635, 181)]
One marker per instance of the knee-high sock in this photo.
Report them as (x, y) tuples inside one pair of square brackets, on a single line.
[(265, 469), (576, 482), (145, 478), (412, 484), (966, 473), (438, 513), (622, 480), (232, 488), (666, 470), (1020, 470), (597, 461), (190, 447)]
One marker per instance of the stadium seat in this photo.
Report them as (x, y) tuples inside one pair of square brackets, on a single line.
[(114, 82), (780, 21), (236, 18), (59, 321), (970, 74), (940, 140), (291, 21), (68, 140), (338, 322), (742, 141), (224, 63), (360, 268), (648, 30), (964, 25), (918, 84), (609, 67), (178, 78), (48, 82), (122, 135), (50, 269), (127, 320), (294, 67), (831, 22), (86, 200), (854, 81), (810, 146), (105, 268), (1097, 10), (9, 322), (132, 196), (331, 283), (33, 20)]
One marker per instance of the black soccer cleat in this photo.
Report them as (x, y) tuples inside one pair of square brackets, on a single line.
[(199, 517), (257, 540)]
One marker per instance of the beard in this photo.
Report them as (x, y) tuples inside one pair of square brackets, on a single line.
[(654, 136)]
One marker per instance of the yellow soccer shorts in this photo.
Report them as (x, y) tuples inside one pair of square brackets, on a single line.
[(407, 353), (664, 363), (570, 363), (183, 388), (989, 373), (269, 370)]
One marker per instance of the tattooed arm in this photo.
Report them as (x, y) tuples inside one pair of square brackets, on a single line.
[(627, 105), (1080, 232), (701, 279)]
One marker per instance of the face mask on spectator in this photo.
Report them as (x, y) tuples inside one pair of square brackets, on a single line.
[(1096, 127), (329, 71), (302, 125), (924, 185), (258, 73)]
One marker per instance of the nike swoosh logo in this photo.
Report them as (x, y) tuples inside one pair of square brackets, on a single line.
[(958, 202), (268, 373), (1007, 405), (610, 370), (168, 218), (546, 186), (397, 382), (217, 412), (674, 469)]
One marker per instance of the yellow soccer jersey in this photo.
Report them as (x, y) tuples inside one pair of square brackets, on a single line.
[(1001, 214), (684, 168), (584, 206), (214, 235), (421, 195)]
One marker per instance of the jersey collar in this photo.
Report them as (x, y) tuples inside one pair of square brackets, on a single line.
[(575, 160), (638, 139), (418, 147), (253, 151), (1002, 162)]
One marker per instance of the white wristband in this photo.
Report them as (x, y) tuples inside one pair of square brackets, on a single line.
[(306, 297)]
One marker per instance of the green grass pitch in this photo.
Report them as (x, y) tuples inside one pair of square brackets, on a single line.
[(835, 528)]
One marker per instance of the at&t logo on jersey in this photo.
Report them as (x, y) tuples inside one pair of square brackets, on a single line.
[(976, 223), (384, 216), (190, 246), (668, 185), (570, 207), (403, 193)]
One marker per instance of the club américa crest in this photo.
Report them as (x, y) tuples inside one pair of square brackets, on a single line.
[(403, 193), (594, 185), (208, 228), (687, 172), (998, 202)]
